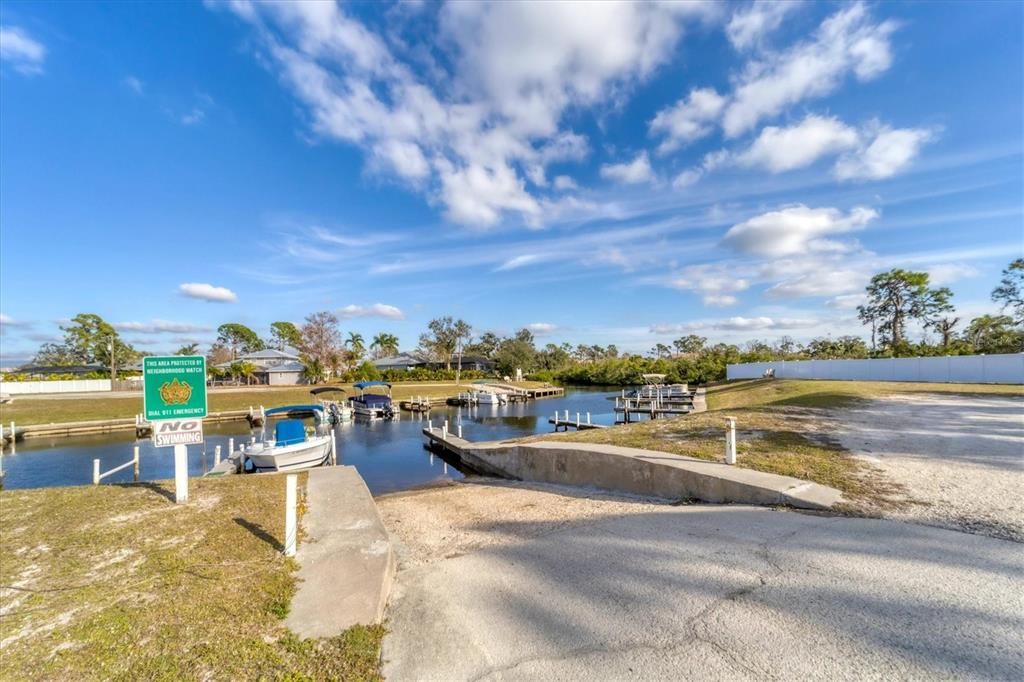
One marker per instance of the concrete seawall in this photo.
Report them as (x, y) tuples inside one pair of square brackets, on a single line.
[(636, 471)]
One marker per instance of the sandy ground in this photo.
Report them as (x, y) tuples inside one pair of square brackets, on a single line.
[(961, 458), (510, 581)]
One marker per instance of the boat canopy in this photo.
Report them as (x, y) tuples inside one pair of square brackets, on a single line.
[(287, 409), (362, 385), (326, 389), (289, 432)]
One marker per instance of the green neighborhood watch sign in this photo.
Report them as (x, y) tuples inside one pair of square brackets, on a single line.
[(174, 387)]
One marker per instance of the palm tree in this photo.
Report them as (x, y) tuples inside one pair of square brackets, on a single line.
[(189, 349), (356, 345), (243, 370), (384, 344)]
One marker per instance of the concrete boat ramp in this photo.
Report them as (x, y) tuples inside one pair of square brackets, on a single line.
[(634, 471), (346, 558)]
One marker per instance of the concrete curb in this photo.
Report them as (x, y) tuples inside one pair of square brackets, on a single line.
[(346, 561), (636, 471)]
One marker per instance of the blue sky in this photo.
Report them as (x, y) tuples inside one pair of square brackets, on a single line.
[(618, 173)]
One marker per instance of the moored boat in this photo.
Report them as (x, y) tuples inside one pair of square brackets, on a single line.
[(290, 450), (372, 405), (332, 400)]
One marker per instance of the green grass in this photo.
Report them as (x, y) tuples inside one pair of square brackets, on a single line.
[(117, 582), (27, 411), (832, 394), (781, 428)]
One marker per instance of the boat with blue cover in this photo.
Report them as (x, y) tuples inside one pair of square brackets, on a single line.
[(291, 449), (373, 405)]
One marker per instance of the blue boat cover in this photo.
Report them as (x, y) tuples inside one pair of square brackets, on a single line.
[(293, 408), (373, 400), (367, 384), (289, 432)]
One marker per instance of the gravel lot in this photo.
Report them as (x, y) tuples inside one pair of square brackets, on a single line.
[(961, 458)]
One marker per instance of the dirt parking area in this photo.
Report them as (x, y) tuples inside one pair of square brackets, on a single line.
[(960, 458)]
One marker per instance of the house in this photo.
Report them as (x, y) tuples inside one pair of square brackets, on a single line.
[(273, 367), (408, 361)]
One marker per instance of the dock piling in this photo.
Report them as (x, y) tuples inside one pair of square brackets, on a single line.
[(216, 456), (95, 472), (135, 463), (290, 503), (588, 417), (460, 430), (334, 448)]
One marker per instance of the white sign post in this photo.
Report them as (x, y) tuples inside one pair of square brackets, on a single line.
[(180, 474)]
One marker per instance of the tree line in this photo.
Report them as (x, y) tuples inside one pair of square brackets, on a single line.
[(894, 301)]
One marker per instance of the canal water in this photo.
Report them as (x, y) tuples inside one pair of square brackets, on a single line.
[(390, 455)]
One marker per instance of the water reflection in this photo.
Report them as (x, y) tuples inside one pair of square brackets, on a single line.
[(389, 455)]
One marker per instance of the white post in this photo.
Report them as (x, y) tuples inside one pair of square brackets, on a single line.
[(180, 474), (290, 526), (446, 426), (460, 430), (334, 448), (135, 459), (730, 440), (216, 456), (556, 417), (14, 434), (95, 472), (588, 417), (567, 415), (577, 420), (231, 446)]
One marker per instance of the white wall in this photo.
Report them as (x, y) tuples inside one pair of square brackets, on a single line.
[(69, 386), (974, 369)]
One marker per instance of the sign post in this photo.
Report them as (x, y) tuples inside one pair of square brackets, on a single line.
[(174, 399)]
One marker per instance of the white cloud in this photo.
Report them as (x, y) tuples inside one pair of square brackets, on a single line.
[(711, 161), (794, 230), (633, 172), (193, 117), (161, 327), (136, 85), (846, 42), (942, 274), (207, 292), (376, 310), (826, 280), (847, 301), (748, 26), (541, 328), (24, 53), (782, 149), (889, 152), (762, 323), (520, 261), (8, 321), (716, 283), (689, 119), (563, 182), (471, 130)]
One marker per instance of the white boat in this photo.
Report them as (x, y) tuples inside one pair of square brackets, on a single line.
[(335, 408), (290, 450), (490, 398), (373, 405)]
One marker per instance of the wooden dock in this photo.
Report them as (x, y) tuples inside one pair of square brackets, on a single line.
[(566, 424)]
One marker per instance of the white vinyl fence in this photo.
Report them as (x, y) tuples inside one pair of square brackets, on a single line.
[(68, 386), (966, 369)]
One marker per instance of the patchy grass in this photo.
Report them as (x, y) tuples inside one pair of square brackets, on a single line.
[(786, 440), (783, 427), (117, 582), (28, 410), (832, 394)]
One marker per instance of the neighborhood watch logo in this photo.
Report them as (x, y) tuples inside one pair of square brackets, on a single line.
[(175, 392)]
